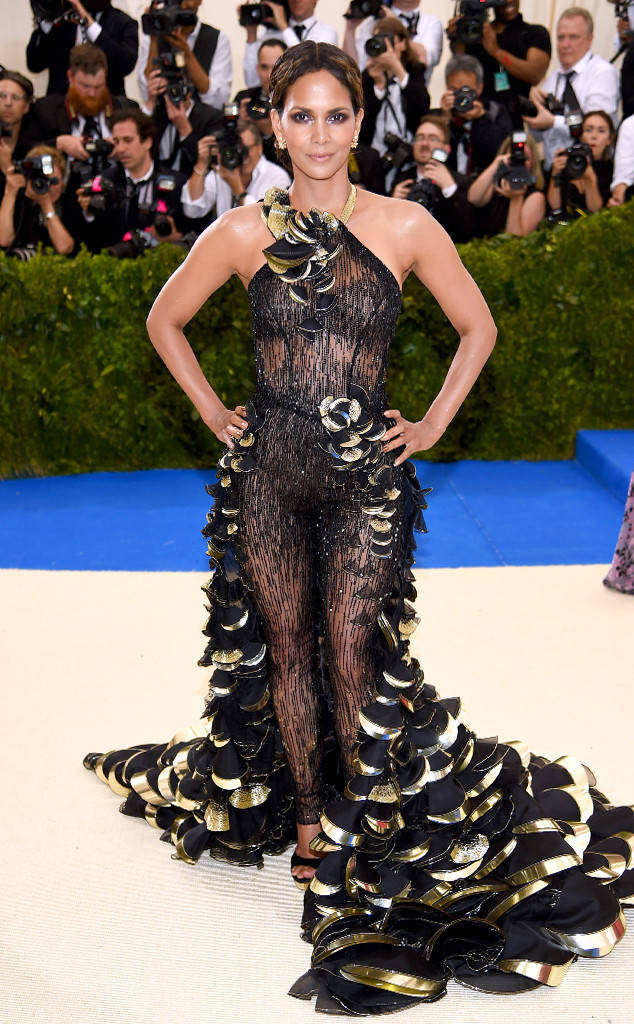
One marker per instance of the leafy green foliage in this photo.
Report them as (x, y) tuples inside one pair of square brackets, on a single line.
[(83, 389)]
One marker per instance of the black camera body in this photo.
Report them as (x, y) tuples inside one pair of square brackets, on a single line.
[(254, 14), (164, 16), (526, 107), (366, 8), (397, 154), (516, 173), (157, 214), (579, 154), (259, 108), (105, 196), (464, 99), (99, 153), (473, 14), (426, 193), (231, 150), (172, 68), (377, 44), (39, 171)]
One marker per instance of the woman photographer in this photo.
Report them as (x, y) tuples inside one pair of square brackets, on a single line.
[(514, 211), (395, 95), (32, 208), (591, 190)]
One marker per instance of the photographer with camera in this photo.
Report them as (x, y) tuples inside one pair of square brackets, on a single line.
[(63, 24), (583, 81), (432, 184), (181, 119), (509, 192), (585, 170), (133, 202), (424, 30), (67, 121), (231, 170), (395, 94), (514, 54), (623, 178), (291, 21), (16, 95), (173, 26), (254, 102), (33, 210), (478, 126)]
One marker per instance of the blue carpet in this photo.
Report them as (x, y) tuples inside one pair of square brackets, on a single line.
[(480, 513)]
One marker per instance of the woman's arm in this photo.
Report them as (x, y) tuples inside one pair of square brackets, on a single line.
[(481, 190), (525, 213), (14, 182), (590, 186), (214, 258), (434, 260)]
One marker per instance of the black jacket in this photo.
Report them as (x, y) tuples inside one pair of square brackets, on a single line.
[(455, 214), (50, 117), (119, 40), (414, 102), (204, 120), (485, 138)]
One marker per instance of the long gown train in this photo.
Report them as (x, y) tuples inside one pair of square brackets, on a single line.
[(447, 856)]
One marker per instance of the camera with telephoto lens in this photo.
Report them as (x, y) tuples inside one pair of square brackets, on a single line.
[(172, 68), (579, 154), (39, 172), (397, 154), (426, 192), (377, 44), (134, 243), (526, 108), (231, 150), (366, 8), (464, 99), (258, 108), (157, 215), (473, 14), (254, 14), (516, 173), (164, 16)]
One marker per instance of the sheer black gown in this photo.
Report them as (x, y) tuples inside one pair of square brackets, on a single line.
[(447, 856)]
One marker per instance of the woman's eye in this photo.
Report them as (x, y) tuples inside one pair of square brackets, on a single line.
[(339, 118), (299, 116)]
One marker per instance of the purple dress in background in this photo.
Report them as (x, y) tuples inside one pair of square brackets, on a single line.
[(621, 574)]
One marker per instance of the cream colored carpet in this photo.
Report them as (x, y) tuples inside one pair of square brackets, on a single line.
[(101, 926)]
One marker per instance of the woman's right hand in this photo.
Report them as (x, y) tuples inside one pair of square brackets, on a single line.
[(229, 424)]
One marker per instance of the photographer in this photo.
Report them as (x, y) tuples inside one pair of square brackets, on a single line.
[(16, 94), (515, 207), (623, 179), (291, 22), (246, 181), (32, 210), (205, 50), (627, 80), (478, 126), (66, 121), (588, 188), (181, 120), (514, 55), (447, 202), (130, 204), (424, 30), (395, 94), (94, 21), (254, 101), (583, 81)]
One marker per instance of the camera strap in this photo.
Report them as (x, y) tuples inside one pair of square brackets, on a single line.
[(401, 131)]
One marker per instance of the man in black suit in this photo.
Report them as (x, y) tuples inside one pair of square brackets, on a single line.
[(179, 124), (138, 209), (65, 121), (114, 32)]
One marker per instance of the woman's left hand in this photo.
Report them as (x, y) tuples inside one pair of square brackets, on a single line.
[(416, 437)]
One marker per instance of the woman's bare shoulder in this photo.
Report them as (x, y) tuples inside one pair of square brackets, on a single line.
[(240, 235), (402, 230)]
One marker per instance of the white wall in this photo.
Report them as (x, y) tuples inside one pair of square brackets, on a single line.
[(16, 20)]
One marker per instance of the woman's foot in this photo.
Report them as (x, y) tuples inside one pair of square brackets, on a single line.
[(305, 833)]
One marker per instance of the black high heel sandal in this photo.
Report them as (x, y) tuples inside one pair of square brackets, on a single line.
[(307, 862)]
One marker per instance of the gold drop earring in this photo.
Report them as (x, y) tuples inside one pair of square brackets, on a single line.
[(281, 143)]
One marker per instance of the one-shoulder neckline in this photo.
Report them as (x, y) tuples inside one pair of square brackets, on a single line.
[(377, 259)]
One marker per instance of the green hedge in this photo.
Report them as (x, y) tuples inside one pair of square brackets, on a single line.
[(83, 390)]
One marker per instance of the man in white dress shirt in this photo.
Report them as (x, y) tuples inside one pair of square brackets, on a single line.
[(425, 32), (207, 53), (226, 188), (301, 25), (583, 81), (623, 175)]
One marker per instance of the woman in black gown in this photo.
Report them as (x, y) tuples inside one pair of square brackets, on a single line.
[(437, 854)]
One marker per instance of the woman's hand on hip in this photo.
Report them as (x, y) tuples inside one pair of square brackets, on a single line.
[(416, 437), (229, 424)]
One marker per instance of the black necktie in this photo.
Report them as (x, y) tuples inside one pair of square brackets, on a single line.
[(91, 128), (411, 20), (299, 30), (569, 98)]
